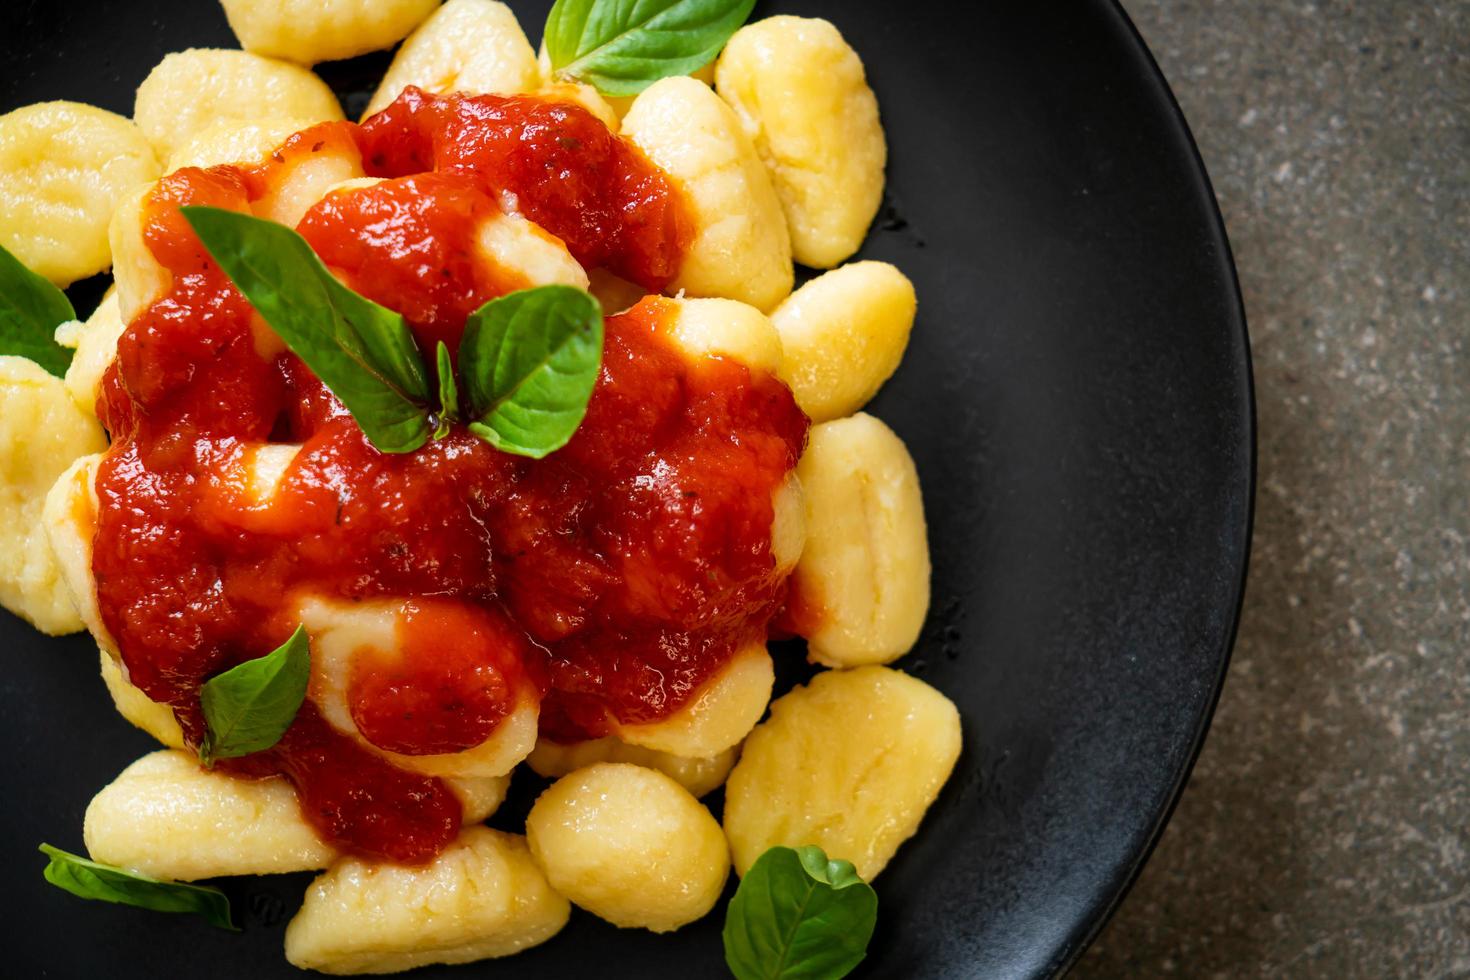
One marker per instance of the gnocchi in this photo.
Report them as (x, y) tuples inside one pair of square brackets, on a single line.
[(138, 277), (741, 249), (864, 570), (479, 796), (341, 633), (802, 97), (65, 165), (697, 775), (850, 762), (718, 716), (308, 31), (471, 46), (509, 244), (138, 708), (234, 141), (69, 520), (168, 817), (481, 898), (306, 177), (843, 334), (190, 90), (585, 96), (42, 432), (512, 243), (615, 295), (727, 328), (96, 349), (788, 524), (629, 845)]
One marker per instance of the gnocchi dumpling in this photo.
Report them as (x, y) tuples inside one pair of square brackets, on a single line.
[(305, 177), (189, 90), (479, 796), (851, 763), (697, 775), (63, 167), (308, 31), (804, 101), (616, 295), (341, 632), (788, 523), (483, 897), (843, 334), (727, 328), (579, 93), (512, 243), (69, 521), (96, 349), (42, 432), (719, 715), (629, 845), (740, 247), (138, 708), (137, 275), (234, 141), (168, 817), (508, 244), (474, 46), (863, 577)]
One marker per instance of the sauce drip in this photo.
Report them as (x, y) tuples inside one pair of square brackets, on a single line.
[(608, 581)]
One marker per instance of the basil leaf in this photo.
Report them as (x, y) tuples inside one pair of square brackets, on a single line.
[(363, 352), (528, 362), (104, 883), (798, 916), (249, 707), (31, 309), (624, 46), (448, 393)]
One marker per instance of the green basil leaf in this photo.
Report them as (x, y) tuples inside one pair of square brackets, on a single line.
[(798, 916), (624, 46), (249, 707), (528, 362), (448, 393), (363, 352), (30, 311), (104, 883)]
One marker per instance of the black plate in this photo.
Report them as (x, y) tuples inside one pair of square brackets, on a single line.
[(1077, 397)]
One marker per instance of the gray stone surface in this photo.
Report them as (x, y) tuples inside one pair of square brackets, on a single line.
[(1326, 829)]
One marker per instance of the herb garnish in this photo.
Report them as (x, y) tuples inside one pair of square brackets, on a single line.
[(31, 309), (364, 352), (798, 916), (528, 360), (104, 883), (249, 707), (624, 46)]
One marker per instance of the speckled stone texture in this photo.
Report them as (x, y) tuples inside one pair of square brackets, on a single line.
[(1326, 829)]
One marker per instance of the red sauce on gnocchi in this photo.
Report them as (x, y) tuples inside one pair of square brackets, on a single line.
[(607, 581)]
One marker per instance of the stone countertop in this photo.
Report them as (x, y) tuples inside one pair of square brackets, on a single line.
[(1326, 829)]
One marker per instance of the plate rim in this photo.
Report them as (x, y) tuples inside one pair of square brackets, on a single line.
[(1122, 883)]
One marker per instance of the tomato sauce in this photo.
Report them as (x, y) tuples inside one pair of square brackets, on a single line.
[(554, 161), (607, 581)]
